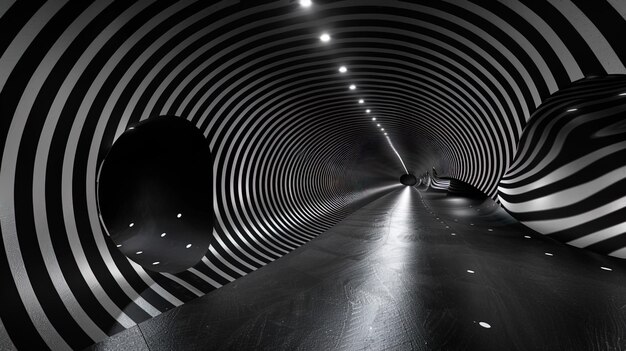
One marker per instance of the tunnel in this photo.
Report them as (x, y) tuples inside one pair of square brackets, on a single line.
[(312, 174)]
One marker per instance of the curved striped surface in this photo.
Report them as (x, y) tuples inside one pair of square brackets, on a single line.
[(438, 184), (451, 82), (568, 179)]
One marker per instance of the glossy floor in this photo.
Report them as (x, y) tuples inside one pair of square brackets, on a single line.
[(409, 271)]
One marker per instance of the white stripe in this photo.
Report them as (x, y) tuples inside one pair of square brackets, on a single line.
[(146, 54), (518, 37), (224, 262), (596, 41), (567, 170), (39, 190), (9, 159), (621, 253), (5, 5), (22, 40), (215, 269), (619, 6), (603, 234), (67, 184), (553, 225), (5, 341), (562, 52), (568, 196), (183, 283), (204, 277), (154, 285), (522, 172), (83, 110)]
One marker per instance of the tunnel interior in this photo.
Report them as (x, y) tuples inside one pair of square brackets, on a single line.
[(155, 151)]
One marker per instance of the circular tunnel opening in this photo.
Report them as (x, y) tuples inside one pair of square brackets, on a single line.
[(408, 179), (155, 194)]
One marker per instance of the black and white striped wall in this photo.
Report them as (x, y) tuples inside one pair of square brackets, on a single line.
[(568, 179), (452, 82)]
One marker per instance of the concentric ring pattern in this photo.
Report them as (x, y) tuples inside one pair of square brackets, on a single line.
[(451, 82)]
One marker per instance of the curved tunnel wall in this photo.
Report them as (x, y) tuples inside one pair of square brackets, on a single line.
[(452, 82)]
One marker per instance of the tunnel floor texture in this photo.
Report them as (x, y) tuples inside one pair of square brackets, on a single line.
[(409, 271)]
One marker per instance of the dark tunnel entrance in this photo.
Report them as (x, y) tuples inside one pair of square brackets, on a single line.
[(155, 194), (408, 179)]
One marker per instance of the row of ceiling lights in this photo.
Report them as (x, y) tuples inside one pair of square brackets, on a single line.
[(325, 38)]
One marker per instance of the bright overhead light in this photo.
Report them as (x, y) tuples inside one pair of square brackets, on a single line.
[(368, 111), (352, 87), (325, 38), (606, 268), (131, 225), (163, 235), (155, 263), (138, 252), (383, 129), (385, 133), (572, 110), (377, 124), (527, 236), (470, 271), (548, 254), (622, 94), (373, 118), (179, 215), (343, 69), (188, 246), (306, 3), (118, 245), (361, 101)]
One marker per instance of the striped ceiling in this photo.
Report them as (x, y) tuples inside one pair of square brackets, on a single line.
[(452, 82)]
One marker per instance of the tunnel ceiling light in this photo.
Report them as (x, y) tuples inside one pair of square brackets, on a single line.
[(385, 133), (548, 254), (622, 94), (131, 225), (377, 124), (527, 236), (306, 3), (572, 110), (155, 263), (606, 268), (361, 101), (352, 86), (383, 129), (179, 215), (163, 235), (484, 325), (368, 111), (343, 69), (325, 38), (118, 245), (188, 246), (373, 118), (138, 252), (470, 271)]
